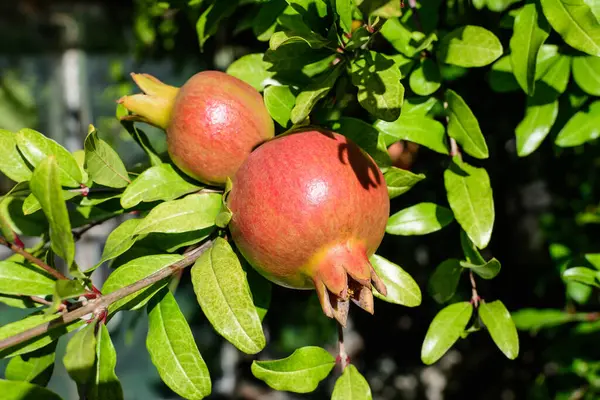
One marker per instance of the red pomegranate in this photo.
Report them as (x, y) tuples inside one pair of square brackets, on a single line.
[(309, 209), (213, 121)]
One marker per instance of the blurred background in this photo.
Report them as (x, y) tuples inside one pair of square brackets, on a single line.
[(63, 64)]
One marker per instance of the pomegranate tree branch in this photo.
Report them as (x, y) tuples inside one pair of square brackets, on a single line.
[(342, 356), (31, 258), (99, 305)]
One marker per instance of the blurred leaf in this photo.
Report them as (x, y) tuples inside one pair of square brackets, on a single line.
[(351, 385), (445, 329), (575, 22), (224, 295), (593, 259), (365, 136), (80, 355), (425, 79), (35, 367), (586, 72), (583, 275), (102, 163), (45, 186), (301, 372), (105, 384), (400, 181), (401, 287), (23, 279), (35, 147), (308, 98), (469, 46), (464, 127), (15, 390), (497, 319), (470, 198), (209, 20), (534, 319), (279, 101), (134, 271), (489, 270), (416, 128), (173, 351), (11, 163), (420, 219), (581, 128), (252, 69), (444, 280)]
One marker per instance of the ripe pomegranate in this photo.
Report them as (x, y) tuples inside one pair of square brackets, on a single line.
[(309, 209), (213, 121)]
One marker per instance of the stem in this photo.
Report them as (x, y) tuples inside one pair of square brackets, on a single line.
[(474, 295), (343, 356), (99, 305), (31, 258)]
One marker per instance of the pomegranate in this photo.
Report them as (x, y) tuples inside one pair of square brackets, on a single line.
[(403, 154), (213, 121), (309, 209)]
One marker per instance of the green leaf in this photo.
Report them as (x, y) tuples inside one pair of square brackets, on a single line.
[(17, 301), (281, 38), (489, 270), (80, 355), (581, 128), (279, 101), (140, 138), (301, 372), (377, 78), (399, 36), (586, 72), (11, 163), (314, 13), (540, 115), (45, 186), (583, 275), (420, 105), (400, 181), (173, 351), (416, 128), (470, 197), (445, 329), (501, 78), (534, 319), (260, 288), (463, 126), (119, 241), (224, 295), (160, 183), (68, 289), (15, 390), (420, 219), (425, 79), (401, 287), (556, 76), (24, 279), (35, 367), (171, 242), (344, 9), (105, 384), (351, 385), (497, 319), (132, 272), (593, 259), (531, 29), (366, 137), (308, 98), (252, 69), (209, 20), (35, 147), (575, 22), (193, 212), (444, 280), (469, 46), (102, 163), (31, 203), (265, 21)]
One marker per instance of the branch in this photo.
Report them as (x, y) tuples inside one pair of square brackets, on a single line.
[(474, 295), (33, 259), (342, 356), (99, 305)]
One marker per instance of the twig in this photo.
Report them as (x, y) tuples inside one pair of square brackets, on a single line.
[(342, 356), (474, 295), (99, 305), (33, 259)]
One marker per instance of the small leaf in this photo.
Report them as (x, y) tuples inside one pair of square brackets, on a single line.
[(46, 188), (540, 116), (68, 289), (401, 287), (301, 372), (470, 197), (224, 295), (586, 74), (469, 46), (489, 270), (420, 219), (173, 351), (400, 181), (193, 212), (445, 329), (583, 275), (80, 355), (252, 69), (102, 163), (279, 101), (105, 384), (425, 79), (444, 280), (501, 78), (35, 147), (15, 390), (35, 367), (581, 128), (575, 22), (470, 251), (119, 241), (132, 272), (308, 98), (593, 259), (344, 9), (463, 126), (281, 38), (534, 319), (365, 136), (11, 163), (24, 279), (160, 183), (501, 327), (416, 128), (140, 138), (420, 105), (351, 385)]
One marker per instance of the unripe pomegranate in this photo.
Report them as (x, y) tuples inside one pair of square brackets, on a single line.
[(309, 209), (403, 154), (213, 121)]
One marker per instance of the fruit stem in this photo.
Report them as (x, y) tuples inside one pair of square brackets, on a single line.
[(154, 106), (342, 355)]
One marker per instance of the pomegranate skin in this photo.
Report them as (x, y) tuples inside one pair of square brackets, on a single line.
[(309, 208)]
